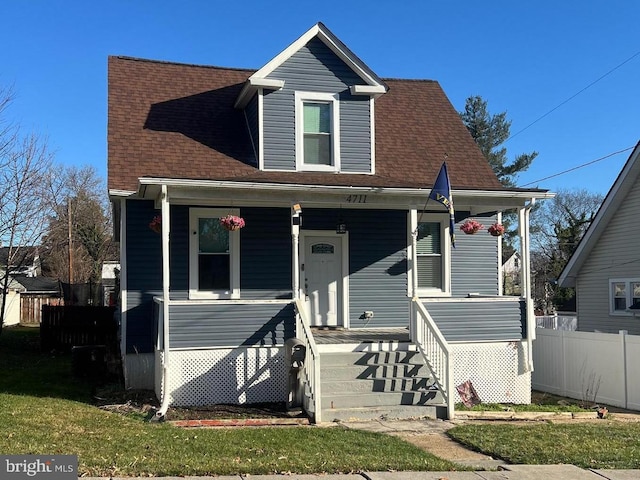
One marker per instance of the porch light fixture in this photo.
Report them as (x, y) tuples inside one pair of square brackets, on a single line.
[(341, 227)]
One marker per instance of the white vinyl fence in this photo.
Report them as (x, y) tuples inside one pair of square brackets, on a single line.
[(559, 321), (595, 367)]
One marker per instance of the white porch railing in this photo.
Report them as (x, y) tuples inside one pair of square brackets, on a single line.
[(311, 369), (436, 352)]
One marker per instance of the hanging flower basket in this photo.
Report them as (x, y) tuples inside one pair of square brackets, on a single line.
[(497, 229), (156, 224), (232, 222), (471, 226)]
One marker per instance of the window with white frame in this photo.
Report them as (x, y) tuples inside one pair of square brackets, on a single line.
[(214, 255), (433, 256), (623, 294), (317, 132)]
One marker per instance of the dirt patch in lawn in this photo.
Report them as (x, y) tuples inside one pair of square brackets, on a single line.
[(144, 402)]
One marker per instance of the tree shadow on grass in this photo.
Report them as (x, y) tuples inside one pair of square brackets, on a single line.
[(26, 370)]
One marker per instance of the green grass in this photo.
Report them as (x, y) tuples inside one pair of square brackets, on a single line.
[(605, 444), (44, 410), (540, 402)]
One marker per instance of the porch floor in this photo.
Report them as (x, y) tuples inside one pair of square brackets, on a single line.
[(329, 336)]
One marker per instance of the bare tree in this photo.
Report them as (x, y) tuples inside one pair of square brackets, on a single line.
[(25, 164), (557, 227), (80, 222)]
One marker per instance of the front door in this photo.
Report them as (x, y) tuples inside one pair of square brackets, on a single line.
[(321, 277)]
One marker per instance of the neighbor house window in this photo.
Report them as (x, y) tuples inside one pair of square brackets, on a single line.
[(317, 132), (432, 256), (623, 294), (214, 262)]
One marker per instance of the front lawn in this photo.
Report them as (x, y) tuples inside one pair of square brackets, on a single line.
[(44, 410), (594, 444)]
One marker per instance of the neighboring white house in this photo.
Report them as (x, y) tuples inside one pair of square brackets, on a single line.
[(605, 268), (511, 270), (12, 303)]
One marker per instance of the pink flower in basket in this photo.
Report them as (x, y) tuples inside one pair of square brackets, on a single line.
[(471, 226), (156, 224), (496, 229), (232, 222)]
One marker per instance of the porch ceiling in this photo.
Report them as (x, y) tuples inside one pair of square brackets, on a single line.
[(252, 193)]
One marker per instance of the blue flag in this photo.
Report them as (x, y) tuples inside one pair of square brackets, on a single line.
[(441, 192)]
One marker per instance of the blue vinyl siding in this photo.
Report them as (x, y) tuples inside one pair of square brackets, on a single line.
[(479, 321), (279, 130), (251, 114), (230, 325), (474, 261), (265, 253), (315, 68), (144, 275), (377, 262)]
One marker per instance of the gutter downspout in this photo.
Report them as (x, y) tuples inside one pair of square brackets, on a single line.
[(159, 415), (525, 280)]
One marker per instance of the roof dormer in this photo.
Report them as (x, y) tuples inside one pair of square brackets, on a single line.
[(311, 108)]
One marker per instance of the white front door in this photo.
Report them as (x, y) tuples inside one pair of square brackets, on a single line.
[(322, 280)]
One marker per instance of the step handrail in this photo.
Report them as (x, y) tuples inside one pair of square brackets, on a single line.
[(311, 369), (435, 352)]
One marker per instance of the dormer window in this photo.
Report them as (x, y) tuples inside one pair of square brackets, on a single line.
[(317, 132)]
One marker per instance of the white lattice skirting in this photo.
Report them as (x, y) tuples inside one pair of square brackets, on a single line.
[(235, 376), (497, 371)]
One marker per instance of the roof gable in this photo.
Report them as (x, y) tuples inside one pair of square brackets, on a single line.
[(615, 197), (372, 84)]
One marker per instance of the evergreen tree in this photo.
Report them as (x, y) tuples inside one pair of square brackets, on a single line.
[(490, 132)]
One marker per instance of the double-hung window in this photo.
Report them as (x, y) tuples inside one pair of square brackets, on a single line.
[(433, 256), (623, 294), (317, 132), (214, 255)]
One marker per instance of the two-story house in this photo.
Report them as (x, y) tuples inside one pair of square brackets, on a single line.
[(327, 168)]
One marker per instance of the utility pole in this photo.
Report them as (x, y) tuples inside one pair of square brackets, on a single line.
[(70, 238)]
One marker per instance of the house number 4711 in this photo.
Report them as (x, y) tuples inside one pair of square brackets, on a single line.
[(356, 199)]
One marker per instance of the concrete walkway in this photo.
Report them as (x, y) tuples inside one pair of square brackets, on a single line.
[(430, 435), (515, 472)]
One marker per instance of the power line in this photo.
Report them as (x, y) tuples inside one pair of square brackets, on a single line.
[(574, 95), (579, 166)]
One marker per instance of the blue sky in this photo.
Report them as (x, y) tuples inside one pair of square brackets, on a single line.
[(525, 58)]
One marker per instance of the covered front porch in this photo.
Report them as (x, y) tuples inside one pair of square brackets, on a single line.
[(377, 305)]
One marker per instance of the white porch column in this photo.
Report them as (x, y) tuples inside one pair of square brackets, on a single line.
[(412, 274), (296, 220), (525, 276), (164, 209)]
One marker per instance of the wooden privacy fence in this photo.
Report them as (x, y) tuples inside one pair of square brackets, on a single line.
[(31, 306), (64, 327), (594, 367)]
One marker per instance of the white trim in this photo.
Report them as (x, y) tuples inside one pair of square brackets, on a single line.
[(331, 41), (114, 192), (445, 255), (619, 190), (419, 193), (256, 84), (234, 255), (260, 129), (334, 101), (372, 90), (344, 246), (500, 269), (227, 301), (123, 284), (372, 133), (627, 281)]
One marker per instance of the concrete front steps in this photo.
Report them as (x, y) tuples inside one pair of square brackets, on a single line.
[(365, 385)]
